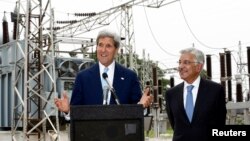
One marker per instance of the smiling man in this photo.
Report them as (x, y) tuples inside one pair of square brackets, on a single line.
[(89, 87), (196, 105)]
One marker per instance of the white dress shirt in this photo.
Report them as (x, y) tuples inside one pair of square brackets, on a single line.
[(196, 84), (110, 73)]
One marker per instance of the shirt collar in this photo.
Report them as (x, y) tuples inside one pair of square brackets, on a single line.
[(196, 83), (110, 67)]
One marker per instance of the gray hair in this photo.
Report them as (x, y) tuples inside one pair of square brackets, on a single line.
[(110, 34), (199, 55)]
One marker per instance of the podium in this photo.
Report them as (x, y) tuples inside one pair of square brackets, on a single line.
[(107, 123)]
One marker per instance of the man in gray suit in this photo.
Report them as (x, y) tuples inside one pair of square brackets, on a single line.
[(192, 114)]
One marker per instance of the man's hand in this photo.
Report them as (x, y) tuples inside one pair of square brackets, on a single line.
[(63, 103), (146, 98)]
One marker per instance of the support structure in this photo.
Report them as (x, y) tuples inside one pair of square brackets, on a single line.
[(104, 18), (146, 71), (238, 110), (34, 82), (127, 32), (34, 72)]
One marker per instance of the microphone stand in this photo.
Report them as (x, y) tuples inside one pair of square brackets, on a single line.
[(105, 95), (112, 90)]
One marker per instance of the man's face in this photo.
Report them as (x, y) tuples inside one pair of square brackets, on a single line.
[(189, 69), (106, 51)]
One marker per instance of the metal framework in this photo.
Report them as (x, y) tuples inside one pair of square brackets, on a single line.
[(146, 73), (34, 69), (105, 17), (34, 64), (239, 111), (127, 32)]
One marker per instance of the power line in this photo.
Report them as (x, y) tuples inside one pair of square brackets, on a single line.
[(156, 41), (193, 34)]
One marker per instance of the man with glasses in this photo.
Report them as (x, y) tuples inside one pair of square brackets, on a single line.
[(196, 105)]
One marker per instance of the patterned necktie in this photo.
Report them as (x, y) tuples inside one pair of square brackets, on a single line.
[(189, 102), (105, 88), (104, 83)]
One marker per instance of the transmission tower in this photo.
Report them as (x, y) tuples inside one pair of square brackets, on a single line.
[(146, 71), (241, 76), (127, 54), (34, 69), (127, 32)]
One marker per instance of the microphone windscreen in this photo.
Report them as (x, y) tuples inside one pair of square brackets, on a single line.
[(104, 75)]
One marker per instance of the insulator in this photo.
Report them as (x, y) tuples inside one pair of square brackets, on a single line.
[(239, 97), (155, 84), (228, 63), (159, 87), (222, 70), (171, 81), (209, 67)]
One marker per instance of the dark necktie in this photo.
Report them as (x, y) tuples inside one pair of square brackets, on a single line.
[(189, 102)]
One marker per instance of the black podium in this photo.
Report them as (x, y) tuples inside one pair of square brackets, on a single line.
[(107, 123)]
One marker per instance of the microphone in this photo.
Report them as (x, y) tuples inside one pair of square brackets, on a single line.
[(105, 76)]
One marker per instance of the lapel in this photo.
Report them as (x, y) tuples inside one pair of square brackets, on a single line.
[(96, 78), (180, 96), (201, 96), (180, 103), (118, 81)]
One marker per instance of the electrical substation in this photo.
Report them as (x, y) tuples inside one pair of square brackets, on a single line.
[(37, 63)]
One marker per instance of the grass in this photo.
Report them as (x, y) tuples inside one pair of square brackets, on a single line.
[(151, 133)]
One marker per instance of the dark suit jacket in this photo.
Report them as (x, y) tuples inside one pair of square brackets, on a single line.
[(88, 88), (209, 111)]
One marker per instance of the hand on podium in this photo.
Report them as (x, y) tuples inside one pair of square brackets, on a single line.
[(63, 103)]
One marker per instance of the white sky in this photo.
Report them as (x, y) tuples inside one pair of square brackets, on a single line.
[(162, 32)]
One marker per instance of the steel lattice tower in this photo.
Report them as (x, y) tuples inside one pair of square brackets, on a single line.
[(34, 81), (34, 69), (127, 32)]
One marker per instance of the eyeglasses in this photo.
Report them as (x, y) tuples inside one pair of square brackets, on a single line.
[(185, 62)]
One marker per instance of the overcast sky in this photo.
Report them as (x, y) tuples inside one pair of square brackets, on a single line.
[(210, 25)]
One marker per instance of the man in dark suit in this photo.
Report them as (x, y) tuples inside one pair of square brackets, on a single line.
[(208, 106), (88, 88)]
